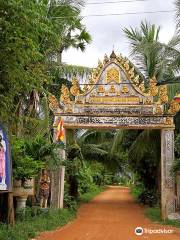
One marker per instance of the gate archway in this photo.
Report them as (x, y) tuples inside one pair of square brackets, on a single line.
[(115, 97)]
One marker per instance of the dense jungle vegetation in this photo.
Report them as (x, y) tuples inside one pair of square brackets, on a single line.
[(33, 37)]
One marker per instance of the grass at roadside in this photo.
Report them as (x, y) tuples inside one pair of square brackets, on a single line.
[(86, 197), (155, 215), (136, 191), (35, 220), (31, 227)]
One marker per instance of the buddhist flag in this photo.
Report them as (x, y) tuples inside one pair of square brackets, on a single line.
[(60, 131), (177, 98)]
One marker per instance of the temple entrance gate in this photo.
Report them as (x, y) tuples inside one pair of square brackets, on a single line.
[(115, 97)]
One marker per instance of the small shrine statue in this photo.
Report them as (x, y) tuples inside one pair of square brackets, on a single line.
[(44, 188)]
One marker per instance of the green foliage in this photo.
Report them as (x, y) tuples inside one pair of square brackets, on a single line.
[(42, 149), (155, 215), (94, 190), (136, 190), (35, 222), (24, 166), (32, 221), (144, 47), (28, 213), (101, 146), (176, 165), (144, 195), (152, 57), (70, 202), (24, 26), (162, 61), (144, 160), (85, 179), (33, 35), (177, 4), (177, 145), (145, 150), (30, 156), (122, 180), (69, 71), (98, 171), (82, 175), (72, 32)]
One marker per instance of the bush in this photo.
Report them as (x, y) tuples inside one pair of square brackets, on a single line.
[(31, 226), (28, 213), (155, 215), (146, 196), (31, 155), (94, 190), (69, 202), (24, 165), (85, 180)]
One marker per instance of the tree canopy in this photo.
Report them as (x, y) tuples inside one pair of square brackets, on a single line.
[(33, 32)]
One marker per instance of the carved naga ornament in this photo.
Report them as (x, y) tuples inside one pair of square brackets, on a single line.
[(75, 90), (174, 107), (53, 102), (163, 94), (65, 95), (153, 86)]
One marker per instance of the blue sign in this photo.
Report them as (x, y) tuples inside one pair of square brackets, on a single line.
[(5, 167)]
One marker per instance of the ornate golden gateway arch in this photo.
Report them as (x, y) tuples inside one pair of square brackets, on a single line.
[(115, 97)]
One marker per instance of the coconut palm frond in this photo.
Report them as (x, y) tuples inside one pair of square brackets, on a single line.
[(146, 141), (144, 49), (177, 4), (173, 89), (153, 57), (96, 136), (93, 151), (117, 141), (66, 71)]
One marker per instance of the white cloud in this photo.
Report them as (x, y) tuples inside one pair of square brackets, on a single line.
[(107, 31)]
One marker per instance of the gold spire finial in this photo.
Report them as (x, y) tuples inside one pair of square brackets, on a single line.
[(113, 55), (106, 59)]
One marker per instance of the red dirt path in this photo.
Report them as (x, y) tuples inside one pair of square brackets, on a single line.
[(112, 215)]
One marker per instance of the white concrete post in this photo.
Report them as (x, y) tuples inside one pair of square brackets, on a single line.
[(61, 187), (167, 181), (57, 181)]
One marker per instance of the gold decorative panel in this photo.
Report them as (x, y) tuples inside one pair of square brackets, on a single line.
[(114, 99), (113, 75)]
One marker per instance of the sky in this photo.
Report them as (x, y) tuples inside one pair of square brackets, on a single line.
[(107, 32)]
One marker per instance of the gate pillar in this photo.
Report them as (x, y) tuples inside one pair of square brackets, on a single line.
[(57, 180), (167, 181)]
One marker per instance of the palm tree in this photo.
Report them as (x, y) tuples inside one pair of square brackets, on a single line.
[(104, 146), (163, 61), (177, 4), (72, 32), (152, 57)]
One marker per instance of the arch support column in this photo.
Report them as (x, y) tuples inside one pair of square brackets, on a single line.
[(167, 181), (57, 177)]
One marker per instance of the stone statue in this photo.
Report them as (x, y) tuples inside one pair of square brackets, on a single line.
[(44, 188)]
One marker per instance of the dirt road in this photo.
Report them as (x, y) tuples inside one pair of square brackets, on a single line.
[(112, 215)]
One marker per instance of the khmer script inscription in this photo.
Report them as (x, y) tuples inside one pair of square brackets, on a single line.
[(114, 121), (101, 110)]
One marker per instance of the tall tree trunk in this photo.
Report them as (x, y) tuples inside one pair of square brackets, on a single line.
[(59, 56), (73, 182)]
